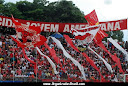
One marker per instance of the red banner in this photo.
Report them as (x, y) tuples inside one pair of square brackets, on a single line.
[(65, 27), (114, 25)]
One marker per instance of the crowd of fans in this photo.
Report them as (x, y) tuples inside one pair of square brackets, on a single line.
[(13, 65)]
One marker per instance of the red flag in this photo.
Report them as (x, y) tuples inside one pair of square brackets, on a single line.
[(68, 39), (22, 27), (91, 62), (114, 57), (82, 37), (92, 18), (84, 54), (57, 59), (31, 61), (52, 52), (18, 42), (99, 36), (41, 40), (117, 60), (87, 36), (29, 33)]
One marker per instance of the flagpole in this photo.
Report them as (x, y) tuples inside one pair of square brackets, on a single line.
[(36, 65), (13, 63)]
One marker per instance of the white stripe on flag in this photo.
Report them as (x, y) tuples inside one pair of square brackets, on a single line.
[(49, 60), (59, 45), (119, 47), (106, 64)]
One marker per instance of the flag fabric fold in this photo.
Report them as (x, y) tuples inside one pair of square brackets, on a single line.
[(119, 47), (114, 57), (99, 36), (92, 18), (28, 35), (85, 35), (106, 64), (68, 39), (84, 54), (31, 61), (59, 45), (53, 54), (49, 60), (18, 42)]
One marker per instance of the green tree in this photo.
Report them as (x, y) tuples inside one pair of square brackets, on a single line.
[(1, 7), (10, 8), (2, 1), (24, 7), (63, 11), (116, 35)]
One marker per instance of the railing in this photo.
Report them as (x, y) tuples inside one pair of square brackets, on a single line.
[(29, 76)]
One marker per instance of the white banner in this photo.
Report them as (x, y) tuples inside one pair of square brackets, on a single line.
[(119, 47), (49, 60), (106, 64), (59, 45), (92, 30)]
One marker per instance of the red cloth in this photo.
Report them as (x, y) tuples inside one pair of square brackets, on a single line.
[(82, 37), (53, 54), (99, 36), (21, 27), (114, 57), (69, 40), (92, 18), (18, 42), (28, 32), (84, 54)]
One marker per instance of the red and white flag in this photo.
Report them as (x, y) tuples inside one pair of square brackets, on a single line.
[(85, 35), (28, 35), (99, 36), (23, 27)]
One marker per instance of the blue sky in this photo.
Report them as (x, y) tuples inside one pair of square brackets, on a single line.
[(107, 10)]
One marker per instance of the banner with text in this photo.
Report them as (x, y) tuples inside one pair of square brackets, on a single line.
[(65, 27)]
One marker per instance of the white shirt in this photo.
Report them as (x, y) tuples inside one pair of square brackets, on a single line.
[(1, 76), (24, 68), (28, 53), (0, 43)]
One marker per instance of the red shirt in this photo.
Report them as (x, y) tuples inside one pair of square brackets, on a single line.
[(1, 65), (11, 55), (4, 75), (18, 71)]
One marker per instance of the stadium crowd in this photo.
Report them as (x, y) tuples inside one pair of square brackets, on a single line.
[(13, 65)]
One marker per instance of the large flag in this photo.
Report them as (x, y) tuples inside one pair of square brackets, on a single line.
[(106, 64), (119, 47), (28, 35), (49, 60), (53, 54), (22, 27), (59, 45), (85, 35), (84, 54), (92, 18), (99, 36)]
